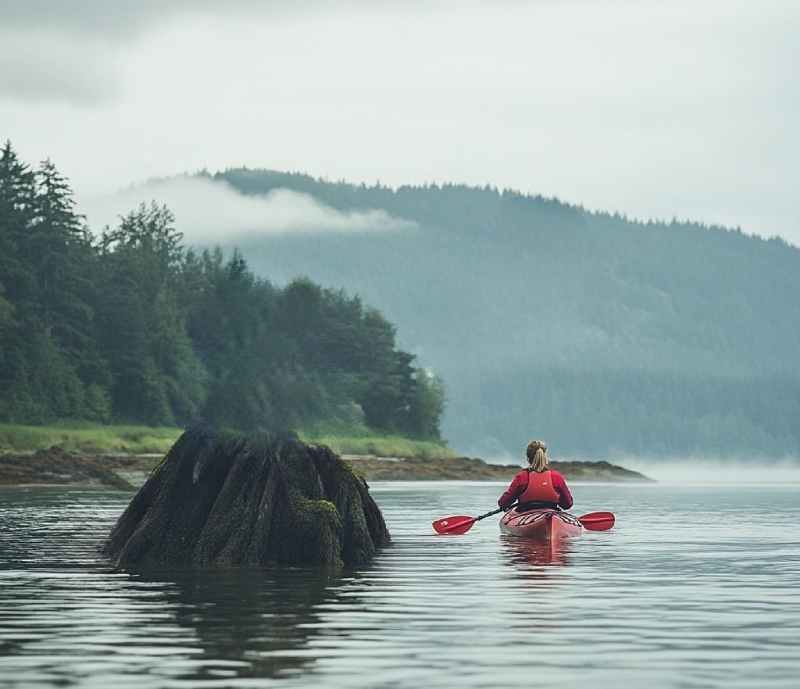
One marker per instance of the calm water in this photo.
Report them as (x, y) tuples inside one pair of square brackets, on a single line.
[(692, 588)]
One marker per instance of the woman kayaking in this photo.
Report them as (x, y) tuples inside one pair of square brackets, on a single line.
[(537, 486), (541, 491)]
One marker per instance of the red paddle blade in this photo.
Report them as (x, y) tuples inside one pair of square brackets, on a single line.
[(453, 525), (597, 521)]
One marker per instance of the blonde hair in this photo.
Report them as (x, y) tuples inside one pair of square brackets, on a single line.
[(537, 455)]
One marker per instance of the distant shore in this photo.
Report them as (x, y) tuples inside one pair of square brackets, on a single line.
[(467, 469), (59, 467)]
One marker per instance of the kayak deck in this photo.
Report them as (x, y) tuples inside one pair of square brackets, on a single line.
[(544, 524)]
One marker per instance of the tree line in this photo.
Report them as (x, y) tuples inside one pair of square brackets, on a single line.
[(134, 326)]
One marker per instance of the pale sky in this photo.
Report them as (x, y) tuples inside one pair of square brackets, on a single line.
[(661, 109)]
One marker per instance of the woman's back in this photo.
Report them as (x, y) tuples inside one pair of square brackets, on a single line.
[(538, 485)]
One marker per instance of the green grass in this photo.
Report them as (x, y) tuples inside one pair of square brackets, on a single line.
[(382, 446), (88, 438), (93, 438)]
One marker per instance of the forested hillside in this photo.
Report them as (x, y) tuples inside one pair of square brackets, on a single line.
[(134, 326), (603, 335)]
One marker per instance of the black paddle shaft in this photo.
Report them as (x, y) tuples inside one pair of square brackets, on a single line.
[(489, 514)]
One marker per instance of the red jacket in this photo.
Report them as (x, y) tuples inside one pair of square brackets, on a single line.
[(520, 485)]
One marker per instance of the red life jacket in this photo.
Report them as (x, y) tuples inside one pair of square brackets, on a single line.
[(540, 488)]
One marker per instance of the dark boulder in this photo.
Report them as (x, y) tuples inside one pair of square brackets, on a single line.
[(224, 498)]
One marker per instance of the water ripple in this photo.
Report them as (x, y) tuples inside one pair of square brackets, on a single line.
[(692, 588)]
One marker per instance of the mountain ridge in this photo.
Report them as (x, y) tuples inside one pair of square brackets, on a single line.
[(638, 332)]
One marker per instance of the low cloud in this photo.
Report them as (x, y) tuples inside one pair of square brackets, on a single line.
[(208, 211)]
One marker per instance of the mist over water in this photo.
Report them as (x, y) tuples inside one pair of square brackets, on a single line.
[(716, 471)]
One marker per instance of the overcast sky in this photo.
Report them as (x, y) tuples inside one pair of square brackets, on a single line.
[(654, 108)]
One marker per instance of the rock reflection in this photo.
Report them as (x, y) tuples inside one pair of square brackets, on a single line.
[(249, 622)]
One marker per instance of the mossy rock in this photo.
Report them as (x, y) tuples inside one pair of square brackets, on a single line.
[(229, 499)]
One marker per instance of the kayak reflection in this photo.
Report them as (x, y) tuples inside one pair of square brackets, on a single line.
[(528, 552)]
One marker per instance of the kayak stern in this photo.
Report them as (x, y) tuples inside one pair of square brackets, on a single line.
[(544, 524)]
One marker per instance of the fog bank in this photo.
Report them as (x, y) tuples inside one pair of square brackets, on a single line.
[(700, 471), (207, 211)]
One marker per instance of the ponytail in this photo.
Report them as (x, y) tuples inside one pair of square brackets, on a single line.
[(537, 455)]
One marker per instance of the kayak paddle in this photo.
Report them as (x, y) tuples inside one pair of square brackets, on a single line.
[(459, 525), (597, 521), (456, 526)]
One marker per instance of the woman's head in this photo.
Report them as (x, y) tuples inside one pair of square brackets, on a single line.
[(537, 455)]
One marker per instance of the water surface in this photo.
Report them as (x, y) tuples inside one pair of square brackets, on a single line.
[(694, 587)]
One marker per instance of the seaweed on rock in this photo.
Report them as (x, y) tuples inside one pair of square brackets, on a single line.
[(224, 498)]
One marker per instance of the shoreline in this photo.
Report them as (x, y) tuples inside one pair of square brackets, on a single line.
[(56, 467), (468, 469)]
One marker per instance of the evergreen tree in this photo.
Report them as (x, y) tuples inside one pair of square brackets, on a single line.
[(64, 261), (158, 377), (17, 200), (427, 406), (20, 348)]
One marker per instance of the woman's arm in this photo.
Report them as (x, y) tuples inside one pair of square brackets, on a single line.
[(517, 488), (565, 499)]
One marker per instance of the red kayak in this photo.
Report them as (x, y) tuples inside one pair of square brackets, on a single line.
[(544, 524)]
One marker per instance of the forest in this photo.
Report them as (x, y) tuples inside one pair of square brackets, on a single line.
[(131, 325), (606, 336)]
